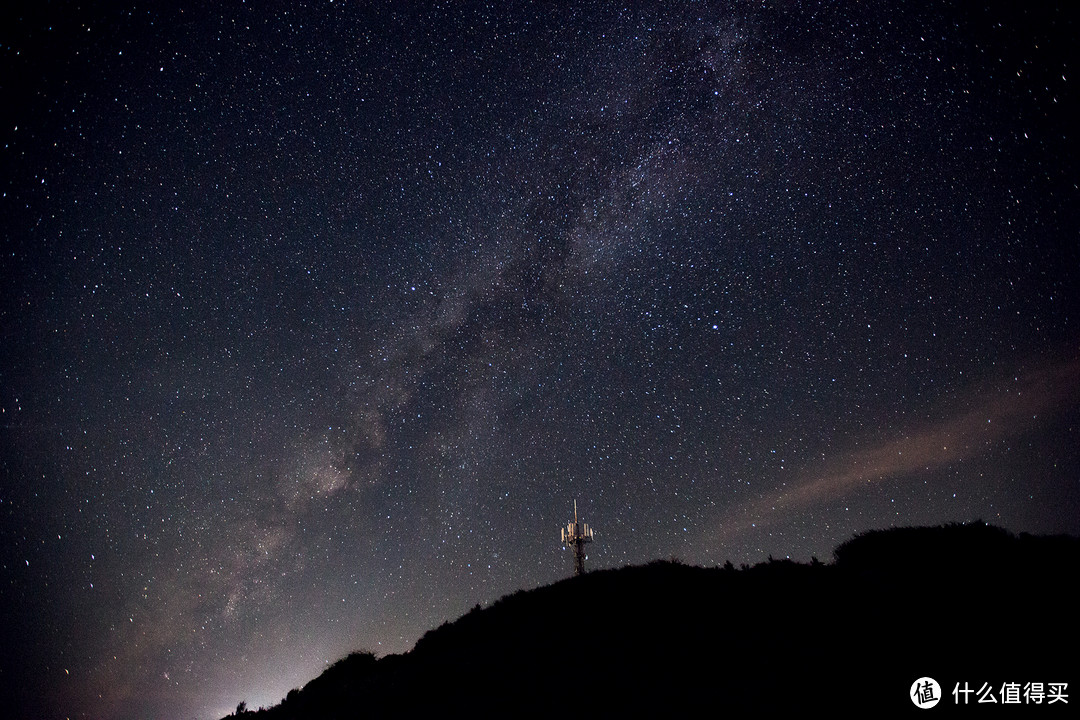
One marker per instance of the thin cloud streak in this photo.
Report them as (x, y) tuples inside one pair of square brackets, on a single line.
[(984, 417)]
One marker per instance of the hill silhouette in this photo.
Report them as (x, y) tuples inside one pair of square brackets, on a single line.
[(960, 603)]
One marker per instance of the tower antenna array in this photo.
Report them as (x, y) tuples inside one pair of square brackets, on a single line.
[(576, 534)]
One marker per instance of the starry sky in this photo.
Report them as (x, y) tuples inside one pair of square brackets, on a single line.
[(317, 316)]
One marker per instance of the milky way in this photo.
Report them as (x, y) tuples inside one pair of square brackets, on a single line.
[(317, 317)]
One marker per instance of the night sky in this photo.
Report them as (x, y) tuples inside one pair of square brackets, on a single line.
[(316, 317)]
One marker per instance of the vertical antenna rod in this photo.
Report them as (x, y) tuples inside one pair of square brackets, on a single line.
[(576, 534)]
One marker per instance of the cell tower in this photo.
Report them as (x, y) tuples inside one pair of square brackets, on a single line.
[(576, 534)]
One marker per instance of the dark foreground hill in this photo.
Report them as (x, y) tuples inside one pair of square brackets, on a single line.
[(961, 604)]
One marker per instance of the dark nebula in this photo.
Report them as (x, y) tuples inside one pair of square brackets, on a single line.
[(316, 317)]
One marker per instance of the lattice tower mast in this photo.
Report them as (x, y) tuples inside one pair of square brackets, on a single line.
[(575, 535)]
